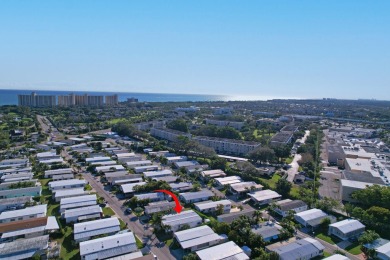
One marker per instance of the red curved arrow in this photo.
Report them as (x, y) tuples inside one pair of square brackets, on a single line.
[(178, 208)]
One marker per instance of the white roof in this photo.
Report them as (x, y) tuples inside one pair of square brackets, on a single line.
[(117, 167), (95, 224), (82, 211), (348, 225), (151, 174), (78, 199), (58, 171), (99, 158), (211, 204), (184, 217), (242, 185), (213, 172), (228, 180), (264, 195), (311, 214), (228, 250), (105, 243), (359, 164), (39, 209), (122, 155), (54, 184), (66, 192), (126, 188), (385, 249), (196, 236)]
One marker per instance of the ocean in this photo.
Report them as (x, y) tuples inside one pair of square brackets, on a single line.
[(10, 97)]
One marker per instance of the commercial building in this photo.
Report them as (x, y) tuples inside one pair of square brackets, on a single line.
[(35, 100), (264, 196), (86, 230), (196, 196), (349, 186), (108, 247), (346, 229), (174, 222), (228, 250), (284, 207), (306, 248), (227, 146), (212, 206), (198, 238), (358, 165)]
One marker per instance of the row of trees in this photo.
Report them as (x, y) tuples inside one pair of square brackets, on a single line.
[(264, 154)]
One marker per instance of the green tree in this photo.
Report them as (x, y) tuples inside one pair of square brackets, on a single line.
[(262, 154), (138, 211), (283, 187), (368, 237), (178, 124)]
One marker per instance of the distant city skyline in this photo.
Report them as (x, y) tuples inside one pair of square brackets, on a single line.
[(270, 49)]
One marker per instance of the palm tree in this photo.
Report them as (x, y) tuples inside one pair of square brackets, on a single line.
[(257, 215)]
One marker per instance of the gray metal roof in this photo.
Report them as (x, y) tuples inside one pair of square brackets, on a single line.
[(230, 217), (39, 209), (197, 194), (55, 184), (82, 211), (20, 247), (348, 225), (266, 231), (69, 192), (151, 195), (290, 205), (78, 199), (197, 236), (20, 191), (108, 243), (211, 204), (16, 200), (96, 227)]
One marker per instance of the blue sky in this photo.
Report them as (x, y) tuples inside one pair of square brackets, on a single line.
[(302, 49)]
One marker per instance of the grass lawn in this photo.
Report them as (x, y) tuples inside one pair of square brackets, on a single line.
[(294, 192), (330, 239), (354, 249), (272, 182), (326, 254), (289, 160), (107, 211), (115, 121), (53, 210), (88, 187), (122, 224), (139, 243), (69, 250), (45, 187)]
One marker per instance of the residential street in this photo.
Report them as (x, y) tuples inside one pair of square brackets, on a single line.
[(294, 164), (146, 235)]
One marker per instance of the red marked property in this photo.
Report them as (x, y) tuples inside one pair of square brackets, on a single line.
[(178, 208)]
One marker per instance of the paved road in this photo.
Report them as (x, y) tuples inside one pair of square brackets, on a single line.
[(46, 126), (145, 234), (329, 247), (294, 164)]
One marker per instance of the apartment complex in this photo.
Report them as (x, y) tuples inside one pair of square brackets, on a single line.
[(227, 146), (168, 134), (35, 100), (236, 125)]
